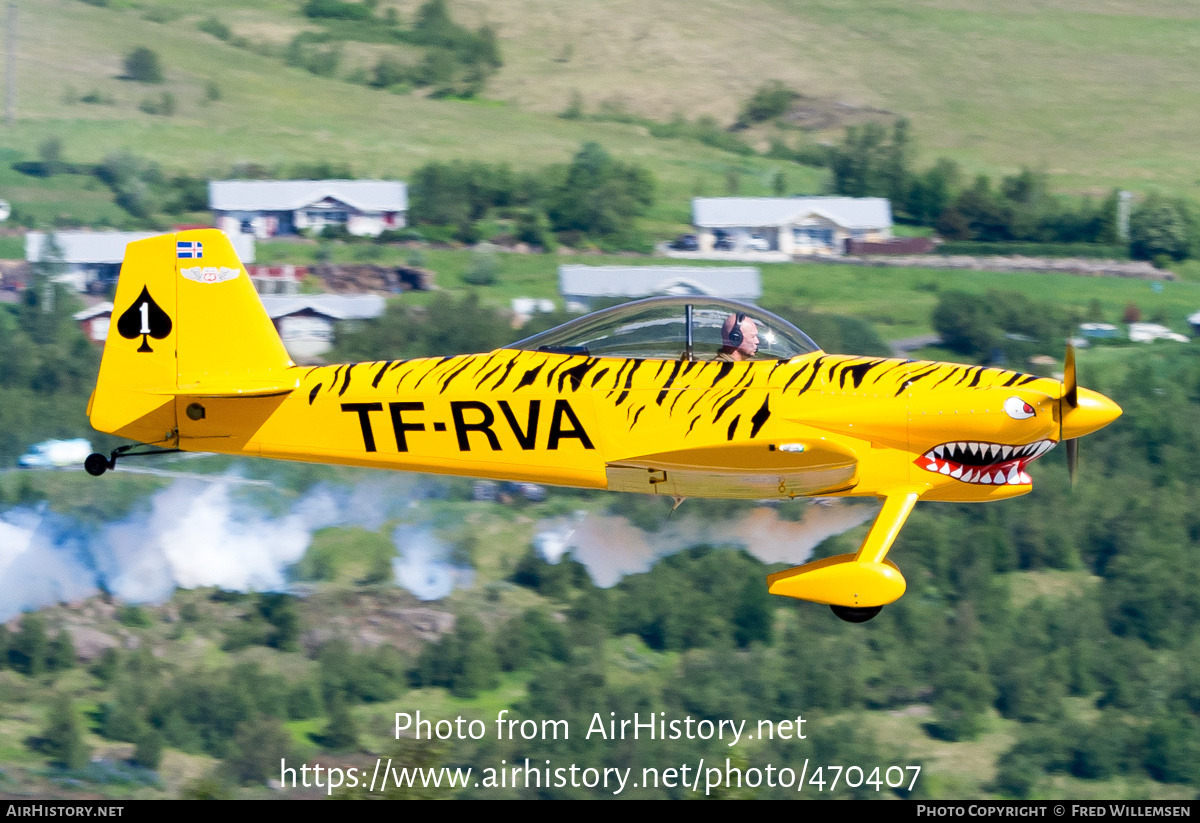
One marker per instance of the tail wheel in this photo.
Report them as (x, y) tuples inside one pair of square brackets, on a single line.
[(852, 614), (96, 464)]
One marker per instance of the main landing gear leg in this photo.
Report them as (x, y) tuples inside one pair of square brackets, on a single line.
[(856, 586), (895, 511)]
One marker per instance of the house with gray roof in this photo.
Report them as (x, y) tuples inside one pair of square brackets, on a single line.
[(789, 225), (306, 322), (91, 260), (266, 208), (581, 286)]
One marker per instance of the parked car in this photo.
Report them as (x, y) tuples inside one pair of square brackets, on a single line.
[(686, 242), (757, 244)]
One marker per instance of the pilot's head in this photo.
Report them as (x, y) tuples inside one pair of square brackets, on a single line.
[(739, 337)]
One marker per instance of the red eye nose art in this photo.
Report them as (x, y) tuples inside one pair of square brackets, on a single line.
[(1018, 409)]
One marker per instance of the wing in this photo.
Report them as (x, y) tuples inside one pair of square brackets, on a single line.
[(750, 469)]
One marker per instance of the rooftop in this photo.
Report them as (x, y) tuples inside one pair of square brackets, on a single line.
[(334, 306), (848, 212), (95, 247), (290, 195), (734, 282)]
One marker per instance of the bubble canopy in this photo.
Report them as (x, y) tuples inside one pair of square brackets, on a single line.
[(671, 328)]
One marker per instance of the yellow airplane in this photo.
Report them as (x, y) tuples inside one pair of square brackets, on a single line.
[(677, 396)]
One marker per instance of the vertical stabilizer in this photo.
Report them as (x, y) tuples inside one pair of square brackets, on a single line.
[(186, 321)]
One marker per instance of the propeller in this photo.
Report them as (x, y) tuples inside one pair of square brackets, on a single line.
[(1068, 402)]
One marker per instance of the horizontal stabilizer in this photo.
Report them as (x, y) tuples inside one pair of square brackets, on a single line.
[(242, 388)]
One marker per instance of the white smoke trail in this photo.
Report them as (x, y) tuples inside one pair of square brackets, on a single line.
[(422, 566), (611, 547), (198, 533), (215, 533)]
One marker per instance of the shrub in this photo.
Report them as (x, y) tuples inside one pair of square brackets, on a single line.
[(388, 72), (164, 104), (144, 66), (337, 10), (304, 52), (483, 271), (769, 101), (213, 26), (95, 96)]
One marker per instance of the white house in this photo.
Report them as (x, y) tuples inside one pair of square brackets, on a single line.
[(266, 208), (92, 259), (95, 321), (306, 321), (580, 285), (789, 225)]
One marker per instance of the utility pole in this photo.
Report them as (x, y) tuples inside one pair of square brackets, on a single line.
[(10, 90)]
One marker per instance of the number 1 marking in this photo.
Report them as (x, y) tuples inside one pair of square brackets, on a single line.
[(145, 310)]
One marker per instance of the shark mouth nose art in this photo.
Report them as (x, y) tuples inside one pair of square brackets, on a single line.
[(984, 463)]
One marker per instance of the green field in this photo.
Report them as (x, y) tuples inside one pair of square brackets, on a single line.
[(898, 301)]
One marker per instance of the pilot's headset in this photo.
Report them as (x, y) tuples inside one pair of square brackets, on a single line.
[(735, 334)]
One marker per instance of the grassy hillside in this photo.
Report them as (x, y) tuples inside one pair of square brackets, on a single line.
[(1096, 94), (272, 114)]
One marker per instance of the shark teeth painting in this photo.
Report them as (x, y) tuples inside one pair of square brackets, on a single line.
[(996, 464)]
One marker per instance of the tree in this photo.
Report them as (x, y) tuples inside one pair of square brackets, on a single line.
[(256, 749), (856, 164), (280, 611), (1159, 227), (894, 166), (962, 693), (754, 614), (600, 196), (433, 24), (31, 647), (148, 751), (62, 739), (964, 323), (476, 668), (50, 152), (61, 653), (341, 732), (144, 66), (977, 214), (932, 191)]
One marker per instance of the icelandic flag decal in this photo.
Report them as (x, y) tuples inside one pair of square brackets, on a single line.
[(189, 250)]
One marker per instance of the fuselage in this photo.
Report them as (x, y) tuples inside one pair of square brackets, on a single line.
[(816, 424)]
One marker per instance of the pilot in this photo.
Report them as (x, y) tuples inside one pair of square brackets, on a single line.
[(739, 338)]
